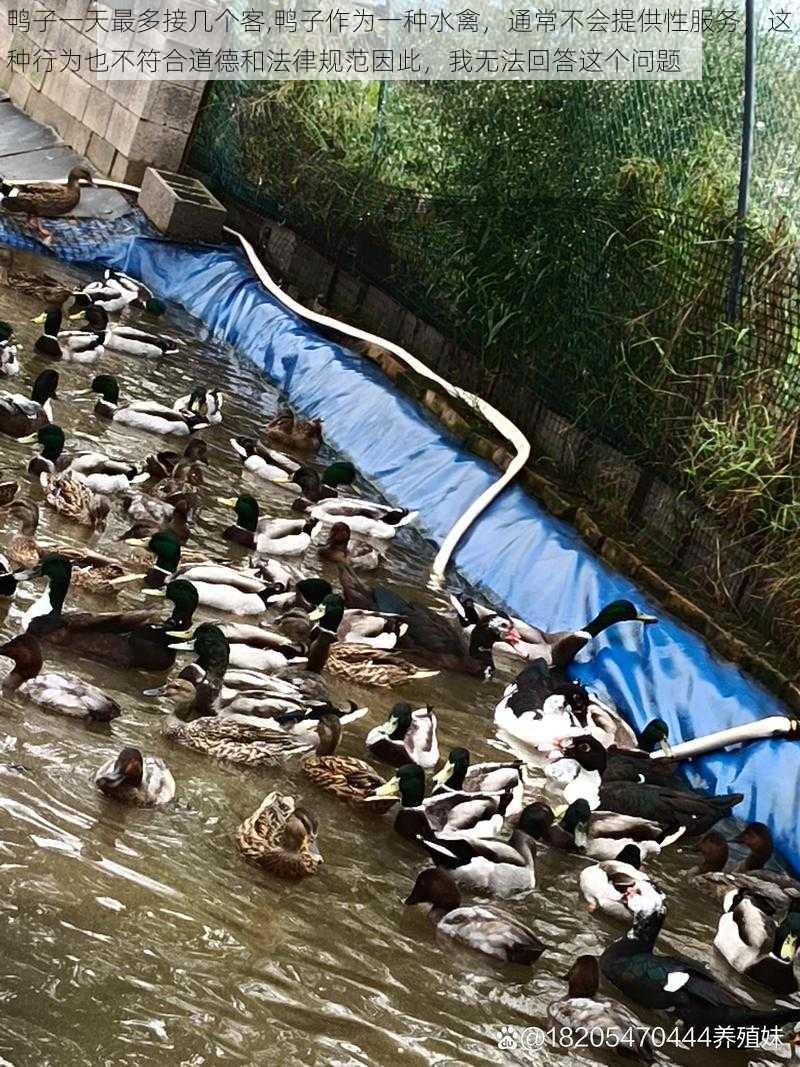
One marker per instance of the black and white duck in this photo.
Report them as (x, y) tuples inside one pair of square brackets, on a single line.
[(21, 416), (73, 346), (755, 942), (406, 737), (146, 415), (604, 886)]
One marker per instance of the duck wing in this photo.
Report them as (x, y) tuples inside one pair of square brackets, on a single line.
[(492, 933), (530, 689), (355, 592)]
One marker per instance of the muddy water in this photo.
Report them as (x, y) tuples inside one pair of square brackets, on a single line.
[(142, 937)]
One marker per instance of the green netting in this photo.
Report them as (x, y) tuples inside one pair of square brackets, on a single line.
[(574, 240)]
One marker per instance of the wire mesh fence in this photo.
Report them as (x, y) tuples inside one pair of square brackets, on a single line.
[(575, 241)]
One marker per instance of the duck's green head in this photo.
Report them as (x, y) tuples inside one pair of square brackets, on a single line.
[(6, 330), (247, 511), (44, 388), (51, 438), (576, 817), (184, 598), (654, 735), (535, 820), (340, 473), (313, 590), (58, 570), (154, 306), (107, 386), (329, 613), (615, 612), (399, 722), (212, 648), (408, 785), (455, 770), (166, 547)]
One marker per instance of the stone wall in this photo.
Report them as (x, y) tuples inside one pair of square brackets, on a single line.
[(121, 127)]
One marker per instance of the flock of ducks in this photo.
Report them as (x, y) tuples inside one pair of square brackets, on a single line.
[(573, 778)]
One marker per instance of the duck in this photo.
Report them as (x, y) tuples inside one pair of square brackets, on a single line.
[(261, 461), (406, 737), (478, 927), (534, 711), (134, 639), (281, 837), (750, 939), (671, 808), (51, 438), (153, 516), (218, 587), (604, 885), (340, 548), (348, 626), (260, 649), (130, 341), (431, 639), (581, 1011), (298, 435), (64, 493), (312, 487), (489, 866), (132, 778), (145, 415), (362, 517), (254, 741), (73, 346), (115, 292), (95, 574), (48, 200), (160, 465), (451, 814), (603, 835), (64, 694), (710, 875), (675, 984), (9, 351), (165, 545), (269, 537), (202, 403), (349, 779), (105, 475), (21, 416), (459, 773), (557, 649), (39, 286)]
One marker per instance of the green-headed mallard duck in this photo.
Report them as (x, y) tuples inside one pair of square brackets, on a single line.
[(21, 416), (460, 774), (51, 458), (559, 648), (73, 346), (298, 435), (365, 628), (445, 815), (146, 415), (281, 837), (133, 778), (117, 291), (311, 487), (269, 537), (9, 351), (64, 694), (44, 200), (261, 461), (124, 639), (406, 737), (376, 521), (478, 927)]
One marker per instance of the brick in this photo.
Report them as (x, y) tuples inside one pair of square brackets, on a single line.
[(173, 106), (77, 136), (101, 152), (19, 91), (98, 111)]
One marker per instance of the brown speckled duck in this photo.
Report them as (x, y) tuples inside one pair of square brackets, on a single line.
[(44, 200)]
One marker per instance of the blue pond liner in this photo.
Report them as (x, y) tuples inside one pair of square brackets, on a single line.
[(536, 565)]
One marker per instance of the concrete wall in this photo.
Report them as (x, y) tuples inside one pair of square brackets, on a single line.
[(120, 126)]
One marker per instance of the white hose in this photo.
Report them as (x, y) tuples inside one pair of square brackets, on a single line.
[(772, 726), (504, 426)]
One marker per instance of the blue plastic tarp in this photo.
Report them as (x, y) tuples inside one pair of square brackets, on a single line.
[(537, 566)]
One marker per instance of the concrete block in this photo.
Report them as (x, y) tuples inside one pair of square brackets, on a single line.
[(98, 111), (67, 90), (121, 128), (127, 170), (173, 106), (46, 111), (19, 90), (281, 246), (77, 135), (157, 145), (181, 207), (101, 152)]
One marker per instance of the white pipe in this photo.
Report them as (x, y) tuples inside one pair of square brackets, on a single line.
[(505, 426), (772, 726)]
